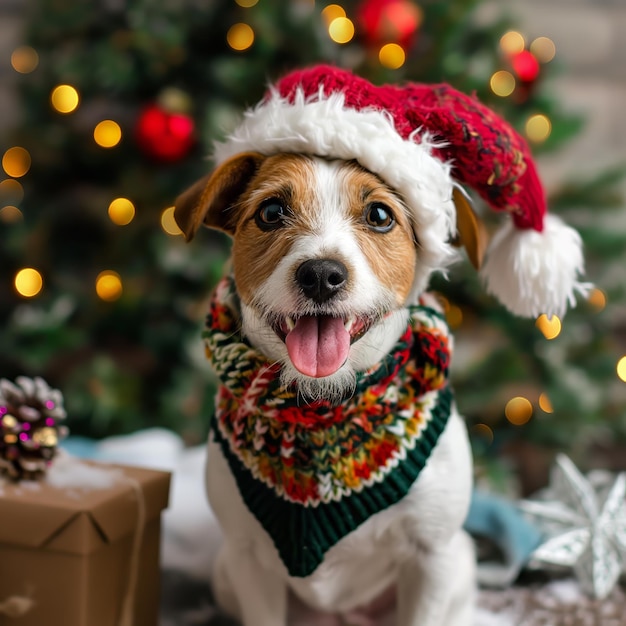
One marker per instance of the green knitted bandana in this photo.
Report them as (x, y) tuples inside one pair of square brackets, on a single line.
[(311, 473)]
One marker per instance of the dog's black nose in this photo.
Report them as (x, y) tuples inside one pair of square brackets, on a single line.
[(321, 279)]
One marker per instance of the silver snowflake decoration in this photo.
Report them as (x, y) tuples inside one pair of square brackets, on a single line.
[(586, 527)]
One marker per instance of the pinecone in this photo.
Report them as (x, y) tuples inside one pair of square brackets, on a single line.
[(29, 426)]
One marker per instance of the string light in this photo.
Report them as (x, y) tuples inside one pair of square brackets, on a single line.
[(512, 42), (16, 161), (621, 368), (240, 36), (11, 191), (392, 55), (24, 59), (550, 327), (10, 214), (28, 282), (341, 30), (502, 83), (107, 134), (246, 4), (332, 12), (484, 432), (64, 98), (109, 285), (121, 211), (544, 49), (538, 128), (544, 403), (168, 223), (597, 299), (518, 410)]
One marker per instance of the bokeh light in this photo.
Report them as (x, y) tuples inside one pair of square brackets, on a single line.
[(121, 211), (332, 12), (109, 285), (621, 368), (240, 36), (544, 403), (597, 299), (392, 55), (28, 282), (512, 42), (538, 128), (16, 161), (525, 65), (454, 316), (107, 134), (10, 214), (246, 4), (11, 191), (484, 432), (502, 83), (518, 410), (64, 98), (341, 30), (24, 59), (544, 49), (550, 327), (168, 223)]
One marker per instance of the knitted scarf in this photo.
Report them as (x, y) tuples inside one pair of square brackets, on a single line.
[(311, 473)]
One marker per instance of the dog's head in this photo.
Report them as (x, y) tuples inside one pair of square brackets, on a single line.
[(325, 257)]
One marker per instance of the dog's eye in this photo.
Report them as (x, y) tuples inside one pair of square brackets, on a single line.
[(271, 214), (379, 217)]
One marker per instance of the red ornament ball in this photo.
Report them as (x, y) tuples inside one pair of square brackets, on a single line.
[(164, 135), (526, 66), (390, 21)]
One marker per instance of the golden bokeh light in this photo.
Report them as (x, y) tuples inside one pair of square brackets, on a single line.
[(24, 59), (484, 432), (16, 161), (392, 55), (109, 285), (28, 282), (597, 299), (538, 128), (240, 36), (454, 316), (544, 403), (550, 327), (64, 98), (10, 214), (11, 191), (621, 368), (518, 410), (121, 211), (341, 30), (512, 42), (543, 49), (107, 134), (246, 4), (168, 223), (332, 12), (502, 83)]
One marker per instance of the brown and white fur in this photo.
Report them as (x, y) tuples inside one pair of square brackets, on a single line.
[(332, 213)]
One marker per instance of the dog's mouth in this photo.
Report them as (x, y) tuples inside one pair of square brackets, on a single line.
[(318, 345)]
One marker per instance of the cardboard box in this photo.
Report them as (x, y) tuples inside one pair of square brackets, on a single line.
[(71, 550)]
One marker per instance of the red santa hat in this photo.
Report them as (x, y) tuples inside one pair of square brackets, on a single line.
[(421, 140)]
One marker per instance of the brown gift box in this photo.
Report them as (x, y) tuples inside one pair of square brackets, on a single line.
[(74, 551)]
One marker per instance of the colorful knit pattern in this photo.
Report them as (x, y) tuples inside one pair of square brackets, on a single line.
[(311, 473)]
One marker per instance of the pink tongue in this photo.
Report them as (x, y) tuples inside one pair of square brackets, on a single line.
[(318, 346)]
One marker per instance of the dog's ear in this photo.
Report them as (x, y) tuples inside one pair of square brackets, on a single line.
[(471, 231), (209, 200)]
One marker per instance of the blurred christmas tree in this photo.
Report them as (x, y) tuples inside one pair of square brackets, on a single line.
[(100, 295)]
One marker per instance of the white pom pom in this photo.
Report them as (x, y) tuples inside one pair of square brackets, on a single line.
[(533, 272)]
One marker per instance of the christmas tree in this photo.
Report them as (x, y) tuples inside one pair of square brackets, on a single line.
[(99, 293)]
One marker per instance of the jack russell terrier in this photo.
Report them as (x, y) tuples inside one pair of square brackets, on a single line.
[(338, 465)]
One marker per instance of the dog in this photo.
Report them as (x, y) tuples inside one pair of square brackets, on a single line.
[(325, 261), (338, 464)]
